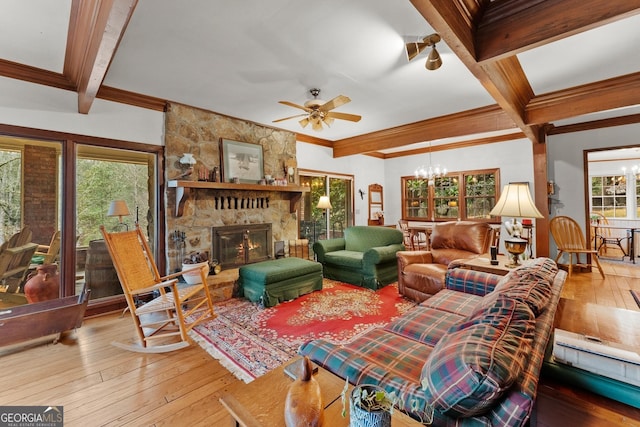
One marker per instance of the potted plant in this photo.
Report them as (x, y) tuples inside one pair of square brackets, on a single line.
[(372, 406)]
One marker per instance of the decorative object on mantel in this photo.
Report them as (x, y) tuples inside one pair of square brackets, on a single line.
[(430, 173), (241, 160), (290, 170), (293, 193), (515, 201), (303, 405), (186, 162)]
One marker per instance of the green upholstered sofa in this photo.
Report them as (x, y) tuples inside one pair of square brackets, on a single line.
[(365, 256)]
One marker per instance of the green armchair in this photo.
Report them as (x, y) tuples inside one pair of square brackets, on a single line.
[(365, 256)]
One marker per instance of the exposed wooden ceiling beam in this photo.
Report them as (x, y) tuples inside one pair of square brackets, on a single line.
[(504, 79), (589, 98), (510, 27), (31, 74), (131, 98), (485, 119), (95, 30), (455, 145), (595, 124)]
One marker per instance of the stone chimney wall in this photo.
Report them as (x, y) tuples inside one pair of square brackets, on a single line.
[(195, 131)]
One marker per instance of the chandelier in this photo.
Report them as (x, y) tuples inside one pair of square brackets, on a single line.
[(431, 172)]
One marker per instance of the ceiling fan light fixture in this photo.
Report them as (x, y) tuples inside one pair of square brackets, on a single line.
[(318, 112)]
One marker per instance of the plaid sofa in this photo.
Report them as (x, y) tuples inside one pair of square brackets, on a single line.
[(474, 350)]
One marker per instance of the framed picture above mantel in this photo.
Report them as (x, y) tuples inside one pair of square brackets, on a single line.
[(241, 161)]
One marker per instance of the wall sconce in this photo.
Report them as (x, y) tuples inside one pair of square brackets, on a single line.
[(413, 49), (119, 208)]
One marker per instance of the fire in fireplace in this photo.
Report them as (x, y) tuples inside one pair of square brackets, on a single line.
[(236, 245)]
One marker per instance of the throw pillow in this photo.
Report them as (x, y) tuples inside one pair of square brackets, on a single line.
[(471, 367)]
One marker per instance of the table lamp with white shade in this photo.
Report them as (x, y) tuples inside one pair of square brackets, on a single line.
[(515, 202)]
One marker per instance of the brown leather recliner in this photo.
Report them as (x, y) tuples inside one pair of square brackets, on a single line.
[(421, 273)]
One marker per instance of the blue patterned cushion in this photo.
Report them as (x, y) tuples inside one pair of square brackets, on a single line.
[(472, 366)]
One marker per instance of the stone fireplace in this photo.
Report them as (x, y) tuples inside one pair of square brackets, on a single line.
[(198, 132), (237, 245)]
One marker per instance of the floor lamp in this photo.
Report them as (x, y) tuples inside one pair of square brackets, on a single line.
[(515, 202), (324, 203)]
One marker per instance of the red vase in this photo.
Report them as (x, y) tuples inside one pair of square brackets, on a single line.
[(43, 285)]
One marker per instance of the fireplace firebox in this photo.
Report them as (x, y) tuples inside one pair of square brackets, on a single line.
[(237, 245)]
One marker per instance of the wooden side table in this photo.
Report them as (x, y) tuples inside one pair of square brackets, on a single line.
[(483, 263)]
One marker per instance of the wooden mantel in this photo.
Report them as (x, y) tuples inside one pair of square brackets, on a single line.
[(183, 188)]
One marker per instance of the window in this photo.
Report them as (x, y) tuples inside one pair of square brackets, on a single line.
[(609, 195), (463, 195)]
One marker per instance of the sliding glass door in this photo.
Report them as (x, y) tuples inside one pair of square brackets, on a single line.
[(319, 223), (114, 188)]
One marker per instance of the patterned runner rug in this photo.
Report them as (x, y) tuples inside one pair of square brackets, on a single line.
[(250, 340)]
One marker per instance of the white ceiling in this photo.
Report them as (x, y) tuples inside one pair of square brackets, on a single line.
[(240, 58)]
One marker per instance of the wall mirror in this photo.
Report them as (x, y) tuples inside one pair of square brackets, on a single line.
[(376, 205)]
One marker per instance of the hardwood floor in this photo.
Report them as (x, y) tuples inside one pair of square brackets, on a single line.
[(99, 384)]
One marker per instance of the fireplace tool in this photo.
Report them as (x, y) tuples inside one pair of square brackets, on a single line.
[(179, 238)]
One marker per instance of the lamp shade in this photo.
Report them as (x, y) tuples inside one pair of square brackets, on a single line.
[(516, 202), (324, 203), (118, 208)]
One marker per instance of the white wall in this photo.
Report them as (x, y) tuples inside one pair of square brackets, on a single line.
[(366, 170), (42, 107), (565, 155)]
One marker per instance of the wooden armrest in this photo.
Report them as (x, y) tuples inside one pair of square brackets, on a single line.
[(155, 287)]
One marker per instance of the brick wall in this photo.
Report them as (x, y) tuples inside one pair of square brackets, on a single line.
[(40, 186)]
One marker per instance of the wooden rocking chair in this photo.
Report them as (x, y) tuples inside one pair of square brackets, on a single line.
[(169, 316)]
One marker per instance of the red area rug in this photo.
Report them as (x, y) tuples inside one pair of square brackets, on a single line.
[(250, 340)]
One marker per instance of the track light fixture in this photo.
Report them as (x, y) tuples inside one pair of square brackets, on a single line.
[(415, 48)]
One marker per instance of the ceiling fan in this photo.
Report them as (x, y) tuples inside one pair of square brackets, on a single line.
[(318, 111)]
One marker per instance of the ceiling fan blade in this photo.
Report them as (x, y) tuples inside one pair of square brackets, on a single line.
[(287, 118), (328, 120), (304, 122), (334, 103), (291, 104), (344, 116)]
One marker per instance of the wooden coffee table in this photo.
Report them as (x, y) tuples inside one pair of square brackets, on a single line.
[(261, 402)]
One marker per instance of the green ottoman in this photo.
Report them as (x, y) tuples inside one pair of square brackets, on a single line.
[(279, 280)]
